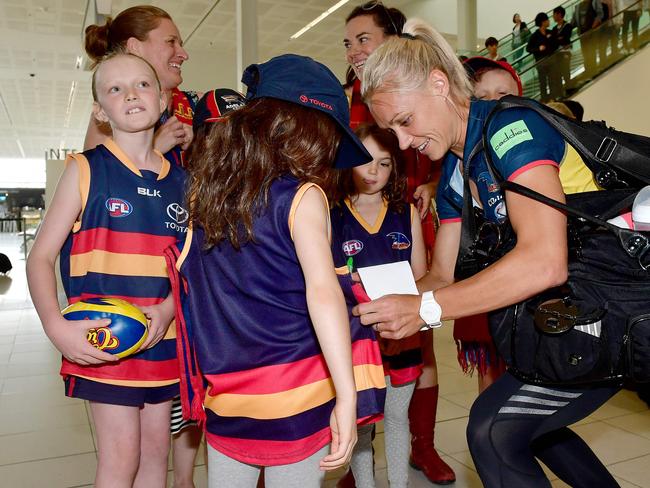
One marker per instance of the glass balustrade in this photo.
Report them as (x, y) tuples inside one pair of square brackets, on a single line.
[(566, 71)]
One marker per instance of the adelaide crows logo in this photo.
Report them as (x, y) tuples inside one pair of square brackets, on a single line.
[(400, 241)]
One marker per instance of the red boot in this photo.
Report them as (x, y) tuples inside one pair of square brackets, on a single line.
[(347, 480), (422, 421)]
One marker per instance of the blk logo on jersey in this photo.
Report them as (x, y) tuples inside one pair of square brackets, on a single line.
[(147, 192), (118, 207), (352, 247), (400, 241)]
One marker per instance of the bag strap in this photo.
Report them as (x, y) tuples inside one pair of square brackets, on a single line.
[(636, 245), (595, 142), (468, 230)]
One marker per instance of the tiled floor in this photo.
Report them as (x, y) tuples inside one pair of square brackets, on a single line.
[(46, 439)]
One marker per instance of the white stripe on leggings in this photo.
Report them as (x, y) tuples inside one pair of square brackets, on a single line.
[(538, 401), (532, 411), (548, 391)]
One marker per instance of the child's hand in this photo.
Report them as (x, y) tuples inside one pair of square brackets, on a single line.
[(423, 195), (170, 134), (343, 423), (70, 338), (160, 316), (189, 136)]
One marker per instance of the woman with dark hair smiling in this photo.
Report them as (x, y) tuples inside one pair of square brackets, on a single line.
[(150, 33)]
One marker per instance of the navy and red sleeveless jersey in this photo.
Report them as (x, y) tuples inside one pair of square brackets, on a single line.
[(116, 249), (387, 240), (269, 394)]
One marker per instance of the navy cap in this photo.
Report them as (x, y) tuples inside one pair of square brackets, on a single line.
[(306, 82), (214, 104)]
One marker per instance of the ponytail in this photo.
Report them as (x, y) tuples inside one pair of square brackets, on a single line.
[(404, 63), (137, 22)]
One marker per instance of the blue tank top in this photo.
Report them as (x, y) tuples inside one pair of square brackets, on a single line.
[(116, 249), (269, 394), (387, 240)]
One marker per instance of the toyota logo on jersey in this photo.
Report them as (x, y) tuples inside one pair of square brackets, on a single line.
[(352, 247), (177, 213), (117, 207)]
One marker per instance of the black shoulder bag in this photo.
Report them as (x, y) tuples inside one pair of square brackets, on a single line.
[(596, 328)]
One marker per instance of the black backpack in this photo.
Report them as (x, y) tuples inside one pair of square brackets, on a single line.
[(546, 339)]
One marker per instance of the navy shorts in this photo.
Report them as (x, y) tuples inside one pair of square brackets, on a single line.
[(129, 396)]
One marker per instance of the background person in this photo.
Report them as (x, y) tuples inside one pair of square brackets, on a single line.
[(520, 33), (416, 87), (491, 80), (542, 44), (492, 46), (370, 209), (150, 33), (587, 16), (632, 10), (562, 33), (366, 28)]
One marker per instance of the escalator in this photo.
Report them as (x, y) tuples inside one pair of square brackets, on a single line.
[(605, 40)]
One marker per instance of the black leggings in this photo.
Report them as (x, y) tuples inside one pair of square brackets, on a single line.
[(511, 423)]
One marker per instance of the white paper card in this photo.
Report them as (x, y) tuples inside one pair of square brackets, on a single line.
[(387, 279)]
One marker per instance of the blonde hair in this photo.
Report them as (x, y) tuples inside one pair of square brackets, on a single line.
[(561, 108), (403, 63)]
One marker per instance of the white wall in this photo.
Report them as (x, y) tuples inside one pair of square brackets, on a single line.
[(210, 69), (625, 109), (494, 17)]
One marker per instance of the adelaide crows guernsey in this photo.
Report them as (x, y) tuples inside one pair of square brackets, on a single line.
[(269, 393), (116, 248), (387, 240)]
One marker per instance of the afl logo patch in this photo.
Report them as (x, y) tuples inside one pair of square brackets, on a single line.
[(400, 241), (118, 207), (350, 248)]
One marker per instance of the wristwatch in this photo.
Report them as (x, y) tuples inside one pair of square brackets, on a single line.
[(430, 311)]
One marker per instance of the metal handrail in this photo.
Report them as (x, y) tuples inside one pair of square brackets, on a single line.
[(530, 25), (528, 75)]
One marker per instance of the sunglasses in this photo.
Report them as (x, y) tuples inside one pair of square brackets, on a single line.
[(375, 4)]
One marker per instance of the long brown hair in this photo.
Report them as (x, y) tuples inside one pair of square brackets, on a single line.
[(236, 161), (395, 188), (112, 36)]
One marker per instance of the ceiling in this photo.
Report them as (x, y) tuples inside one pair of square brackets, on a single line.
[(40, 41)]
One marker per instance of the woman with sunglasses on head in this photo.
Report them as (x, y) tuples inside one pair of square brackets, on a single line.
[(415, 86), (366, 28), (150, 33)]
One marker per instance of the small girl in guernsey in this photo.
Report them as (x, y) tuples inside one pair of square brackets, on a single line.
[(372, 225), (115, 210), (265, 325)]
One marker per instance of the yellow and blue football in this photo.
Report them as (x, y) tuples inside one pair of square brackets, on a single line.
[(126, 332)]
